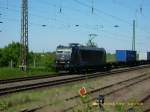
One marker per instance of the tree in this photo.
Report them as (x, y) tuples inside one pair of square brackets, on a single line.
[(1, 54), (49, 60), (9, 53)]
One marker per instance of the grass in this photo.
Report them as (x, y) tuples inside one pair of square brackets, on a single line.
[(30, 99), (19, 101), (9, 73), (54, 97), (118, 107)]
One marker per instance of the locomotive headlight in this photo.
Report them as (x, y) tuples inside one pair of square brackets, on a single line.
[(68, 62)]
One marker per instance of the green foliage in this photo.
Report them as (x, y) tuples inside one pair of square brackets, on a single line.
[(132, 104), (110, 57), (39, 63), (84, 99), (42, 61), (30, 57), (8, 73), (1, 52), (120, 108), (13, 101), (10, 53), (48, 60)]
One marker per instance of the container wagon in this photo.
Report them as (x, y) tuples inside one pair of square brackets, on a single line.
[(148, 55), (142, 58), (125, 58)]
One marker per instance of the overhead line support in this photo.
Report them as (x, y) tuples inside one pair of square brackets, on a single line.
[(24, 36)]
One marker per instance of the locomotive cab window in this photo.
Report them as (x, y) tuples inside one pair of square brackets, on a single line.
[(59, 51)]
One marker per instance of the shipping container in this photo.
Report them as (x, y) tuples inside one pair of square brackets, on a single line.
[(148, 55), (125, 55), (142, 56)]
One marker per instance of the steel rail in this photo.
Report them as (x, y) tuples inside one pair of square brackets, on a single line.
[(110, 92), (47, 76), (9, 90), (29, 78), (144, 100)]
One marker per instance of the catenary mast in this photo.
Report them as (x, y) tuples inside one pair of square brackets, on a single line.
[(24, 36)]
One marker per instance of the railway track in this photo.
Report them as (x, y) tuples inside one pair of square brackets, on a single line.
[(31, 78), (37, 77), (111, 89), (17, 88), (143, 100), (147, 110), (31, 110), (125, 82), (37, 108)]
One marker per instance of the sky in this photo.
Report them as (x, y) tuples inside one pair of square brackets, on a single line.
[(76, 21)]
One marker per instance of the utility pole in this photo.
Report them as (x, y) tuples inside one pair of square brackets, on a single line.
[(24, 36), (133, 39)]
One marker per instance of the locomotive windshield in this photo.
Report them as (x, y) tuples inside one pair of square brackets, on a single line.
[(63, 51), (59, 51), (63, 54)]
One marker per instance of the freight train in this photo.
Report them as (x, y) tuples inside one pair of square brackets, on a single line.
[(79, 58)]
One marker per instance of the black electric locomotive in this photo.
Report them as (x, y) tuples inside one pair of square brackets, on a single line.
[(77, 58)]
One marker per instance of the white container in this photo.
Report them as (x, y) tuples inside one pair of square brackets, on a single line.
[(142, 56)]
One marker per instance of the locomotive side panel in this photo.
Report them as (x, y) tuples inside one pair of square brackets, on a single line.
[(93, 57)]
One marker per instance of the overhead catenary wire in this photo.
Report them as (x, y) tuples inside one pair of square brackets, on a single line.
[(54, 5), (95, 14), (110, 15), (136, 14), (103, 12), (54, 19), (46, 18)]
